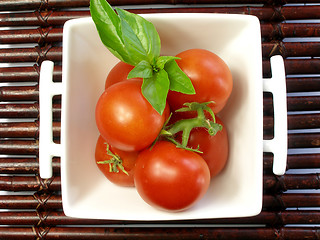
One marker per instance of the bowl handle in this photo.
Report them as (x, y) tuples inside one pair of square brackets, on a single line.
[(277, 86), (47, 148)]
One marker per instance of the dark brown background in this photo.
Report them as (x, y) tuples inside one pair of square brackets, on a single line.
[(31, 209)]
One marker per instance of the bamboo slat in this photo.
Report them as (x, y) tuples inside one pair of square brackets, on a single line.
[(294, 103), (266, 13), (35, 35), (300, 140), (31, 129), (9, 165), (22, 93), (29, 183), (31, 93), (286, 182), (51, 218), (303, 103), (296, 66), (19, 147), (30, 147), (19, 93), (295, 161), (58, 18), (309, 103), (294, 84), (292, 66), (291, 49), (299, 121), (38, 54), (303, 84), (25, 129), (300, 161), (279, 31), (159, 233), (27, 74), (19, 130), (36, 201), (48, 202), (285, 200), (269, 31), (26, 110), (271, 183), (39, 4), (43, 19)]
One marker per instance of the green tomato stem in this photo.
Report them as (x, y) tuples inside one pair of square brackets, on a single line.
[(186, 125), (115, 163)]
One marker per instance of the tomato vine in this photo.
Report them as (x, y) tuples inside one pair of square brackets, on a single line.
[(186, 125)]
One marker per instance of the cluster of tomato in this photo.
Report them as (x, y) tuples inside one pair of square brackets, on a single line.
[(129, 151)]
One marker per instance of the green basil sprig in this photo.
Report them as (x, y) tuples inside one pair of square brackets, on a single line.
[(134, 40)]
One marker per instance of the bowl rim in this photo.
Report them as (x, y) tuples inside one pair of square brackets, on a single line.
[(78, 22)]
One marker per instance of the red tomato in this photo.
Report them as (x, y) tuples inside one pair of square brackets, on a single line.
[(215, 148), (128, 163), (118, 73), (210, 76), (171, 178), (125, 119)]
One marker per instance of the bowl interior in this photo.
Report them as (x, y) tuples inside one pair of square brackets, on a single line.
[(237, 191)]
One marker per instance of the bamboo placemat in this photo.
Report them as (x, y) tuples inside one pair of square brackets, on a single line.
[(32, 207)]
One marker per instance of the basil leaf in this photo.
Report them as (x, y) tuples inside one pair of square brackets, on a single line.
[(140, 37), (179, 81), (162, 60), (134, 40), (155, 90), (109, 28), (142, 70)]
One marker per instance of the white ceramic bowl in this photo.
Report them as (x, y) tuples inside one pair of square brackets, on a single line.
[(237, 191)]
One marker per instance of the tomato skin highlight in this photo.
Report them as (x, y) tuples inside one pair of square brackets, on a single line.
[(210, 76), (215, 148), (128, 162), (125, 119), (171, 178), (119, 73)]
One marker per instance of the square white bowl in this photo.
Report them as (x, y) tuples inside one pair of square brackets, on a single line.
[(237, 191)]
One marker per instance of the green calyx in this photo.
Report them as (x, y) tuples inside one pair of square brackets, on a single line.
[(115, 163), (134, 40), (186, 125)]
